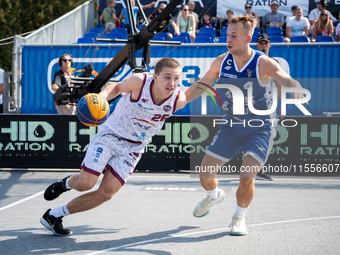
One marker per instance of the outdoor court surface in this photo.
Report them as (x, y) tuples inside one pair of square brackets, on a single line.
[(152, 214)]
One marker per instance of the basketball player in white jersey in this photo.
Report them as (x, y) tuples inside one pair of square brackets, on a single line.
[(241, 66), (148, 101)]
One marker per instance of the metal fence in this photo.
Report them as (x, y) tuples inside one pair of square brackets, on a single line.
[(64, 30)]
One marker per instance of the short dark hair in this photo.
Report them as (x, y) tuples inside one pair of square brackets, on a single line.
[(166, 62), (184, 6)]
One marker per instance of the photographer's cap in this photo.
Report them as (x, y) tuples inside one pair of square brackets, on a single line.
[(274, 2), (263, 37), (324, 3)]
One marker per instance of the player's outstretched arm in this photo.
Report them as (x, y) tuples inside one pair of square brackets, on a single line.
[(273, 69), (131, 85), (209, 78)]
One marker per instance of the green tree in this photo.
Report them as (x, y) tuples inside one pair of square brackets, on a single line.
[(21, 16)]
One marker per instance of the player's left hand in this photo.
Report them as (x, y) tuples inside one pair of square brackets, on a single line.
[(298, 95)]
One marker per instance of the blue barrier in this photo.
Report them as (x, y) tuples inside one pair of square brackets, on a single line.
[(316, 66)]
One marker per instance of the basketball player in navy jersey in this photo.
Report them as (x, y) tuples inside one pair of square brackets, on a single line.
[(245, 68), (148, 101)]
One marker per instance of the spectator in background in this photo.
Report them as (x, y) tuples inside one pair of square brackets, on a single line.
[(273, 18), (315, 13), (1, 90), (338, 33), (62, 79), (323, 26), (293, 10), (186, 23), (249, 13), (297, 25), (337, 21), (192, 6), (225, 22), (164, 26), (109, 16), (124, 15), (207, 22)]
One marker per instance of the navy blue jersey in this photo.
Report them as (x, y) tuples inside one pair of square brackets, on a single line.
[(245, 79)]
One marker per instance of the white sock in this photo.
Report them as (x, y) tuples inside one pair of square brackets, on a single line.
[(60, 211), (66, 183), (213, 194), (241, 210)]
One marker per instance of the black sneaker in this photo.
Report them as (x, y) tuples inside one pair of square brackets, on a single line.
[(54, 224), (55, 189), (263, 176)]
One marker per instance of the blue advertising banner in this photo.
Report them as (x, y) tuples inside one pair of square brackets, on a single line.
[(315, 66)]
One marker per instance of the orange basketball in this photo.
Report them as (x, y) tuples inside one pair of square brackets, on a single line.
[(93, 110)]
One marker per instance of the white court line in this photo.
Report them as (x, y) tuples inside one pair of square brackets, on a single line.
[(20, 201), (181, 177), (205, 232)]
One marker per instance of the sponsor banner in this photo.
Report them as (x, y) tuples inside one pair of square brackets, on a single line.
[(55, 141), (260, 7), (36, 84), (39, 63)]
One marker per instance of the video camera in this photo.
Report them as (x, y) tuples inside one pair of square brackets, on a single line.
[(75, 88)]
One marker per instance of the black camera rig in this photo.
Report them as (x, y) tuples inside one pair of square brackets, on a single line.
[(84, 84)]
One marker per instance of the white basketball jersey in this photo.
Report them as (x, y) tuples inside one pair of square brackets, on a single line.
[(139, 120)]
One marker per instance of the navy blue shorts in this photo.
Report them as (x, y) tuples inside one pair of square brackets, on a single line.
[(254, 141)]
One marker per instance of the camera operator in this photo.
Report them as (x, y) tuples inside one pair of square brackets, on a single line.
[(63, 79)]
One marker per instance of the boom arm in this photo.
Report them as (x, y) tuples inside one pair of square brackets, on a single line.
[(136, 41)]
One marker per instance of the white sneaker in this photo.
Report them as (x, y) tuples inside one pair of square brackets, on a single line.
[(204, 206), (238, 226)]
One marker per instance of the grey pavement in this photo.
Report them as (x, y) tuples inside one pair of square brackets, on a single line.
[(152, 214)]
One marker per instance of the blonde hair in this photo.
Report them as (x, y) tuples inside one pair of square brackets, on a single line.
[(323, 24), (249, 23)]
